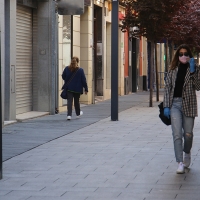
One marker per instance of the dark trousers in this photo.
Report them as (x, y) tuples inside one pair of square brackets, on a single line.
[(76, 97)]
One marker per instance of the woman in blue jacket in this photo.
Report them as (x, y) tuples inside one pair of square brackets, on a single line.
[(75, 86)]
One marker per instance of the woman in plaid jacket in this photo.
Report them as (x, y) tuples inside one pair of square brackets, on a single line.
[(180, 103)]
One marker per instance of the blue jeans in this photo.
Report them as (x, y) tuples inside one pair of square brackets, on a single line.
[(182, 127)]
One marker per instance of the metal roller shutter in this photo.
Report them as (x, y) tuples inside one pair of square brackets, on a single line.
[(24, 72)]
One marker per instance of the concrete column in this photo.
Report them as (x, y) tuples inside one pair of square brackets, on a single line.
[(45, 57), (86, 43), (10, 60)]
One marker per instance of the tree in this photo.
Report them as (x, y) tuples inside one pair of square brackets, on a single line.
[(149, 16), (184, 26)]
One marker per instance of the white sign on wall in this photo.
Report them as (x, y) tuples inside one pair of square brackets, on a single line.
[(99, 49)]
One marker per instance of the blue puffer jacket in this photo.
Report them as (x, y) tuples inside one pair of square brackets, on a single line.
[(77, 83)]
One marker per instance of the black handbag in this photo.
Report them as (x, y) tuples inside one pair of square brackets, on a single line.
[(63, 94), (164, 119)]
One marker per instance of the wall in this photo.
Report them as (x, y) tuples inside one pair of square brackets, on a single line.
[(86, 44), (2, 27), (144, 57), (82, 48), (107, 54), (126, 54), (61, 66), (45, 57), (10, 60), (76, 36), (121, 61), (64, 51)]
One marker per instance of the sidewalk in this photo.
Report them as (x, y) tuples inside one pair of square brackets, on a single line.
[(94, 158), (21, 137)]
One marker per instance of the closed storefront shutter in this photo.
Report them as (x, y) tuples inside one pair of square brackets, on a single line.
[(24, 72)]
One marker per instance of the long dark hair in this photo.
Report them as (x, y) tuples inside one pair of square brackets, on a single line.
[(175, 61), (74, 64)]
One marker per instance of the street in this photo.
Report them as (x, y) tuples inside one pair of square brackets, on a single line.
[(94, 158)]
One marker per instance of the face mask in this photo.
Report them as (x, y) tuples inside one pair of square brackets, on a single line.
[(183, 59)]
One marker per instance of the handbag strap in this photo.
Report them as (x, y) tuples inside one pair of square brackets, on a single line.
[(72, 77)]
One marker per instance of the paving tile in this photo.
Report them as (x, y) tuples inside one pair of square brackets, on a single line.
[(42, 193), (47, 198), (4, 192), (76, 195), (131, 195), (158, 198), (191, 195)]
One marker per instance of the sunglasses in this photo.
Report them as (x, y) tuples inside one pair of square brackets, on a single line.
[(185, 54)]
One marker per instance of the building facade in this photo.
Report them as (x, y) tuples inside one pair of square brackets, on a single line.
[(37, 44), (91, 41), (29, 58)]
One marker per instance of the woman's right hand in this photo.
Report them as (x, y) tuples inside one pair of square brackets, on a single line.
[(167, 112), (192, 65)]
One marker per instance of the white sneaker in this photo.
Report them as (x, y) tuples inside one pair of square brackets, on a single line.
[(181, 168), (187, 159), (81, 113), (69, 117)]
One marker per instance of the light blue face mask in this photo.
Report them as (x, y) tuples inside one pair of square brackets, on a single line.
[(184, 59)]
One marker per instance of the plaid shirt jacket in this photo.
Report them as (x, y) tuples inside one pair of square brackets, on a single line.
[(189, 99)]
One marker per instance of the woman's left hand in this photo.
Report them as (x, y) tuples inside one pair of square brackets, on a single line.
[(192, 65)]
